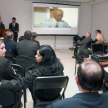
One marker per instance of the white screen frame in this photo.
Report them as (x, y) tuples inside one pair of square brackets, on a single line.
[(54, 31)]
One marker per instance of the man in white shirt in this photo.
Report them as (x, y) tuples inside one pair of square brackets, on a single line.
[(56, 21)]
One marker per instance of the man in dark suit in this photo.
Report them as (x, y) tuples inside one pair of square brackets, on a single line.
[(9, 43), (1, 26), (33, 38), (89, 79), (27, 47), (14, 28)]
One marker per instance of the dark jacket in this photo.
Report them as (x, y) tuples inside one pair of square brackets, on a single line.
[(38, 44), (83, 100), (27, 48), (6, 71), (48, 70), (9, 44), (84, 42), (14, 29), (1, 27)]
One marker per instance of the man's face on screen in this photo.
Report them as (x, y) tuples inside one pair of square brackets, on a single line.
[(58, 14)]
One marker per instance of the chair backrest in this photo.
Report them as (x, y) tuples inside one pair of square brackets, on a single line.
[(21, 38), (88, 45), (76, 38), (6, 98), (18, 69), (9, 53), (24, 61), (50, 82)]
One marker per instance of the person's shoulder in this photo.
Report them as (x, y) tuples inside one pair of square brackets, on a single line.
[(13, 42), (65, 103), (3, 62), (20, 42), (33, 43), (104, 95), (17, 23), (63, 21), (2, 23)]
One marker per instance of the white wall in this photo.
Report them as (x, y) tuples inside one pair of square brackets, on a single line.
[(85, 19), (22, 10), (100, 19)]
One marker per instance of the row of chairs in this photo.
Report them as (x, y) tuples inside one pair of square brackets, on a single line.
[(23, 63), (50, 82)]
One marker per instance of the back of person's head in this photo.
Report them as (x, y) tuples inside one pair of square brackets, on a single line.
[(9, 35), (98, 31), (90, 75), (48, 55), (27, 35), (34, 35)]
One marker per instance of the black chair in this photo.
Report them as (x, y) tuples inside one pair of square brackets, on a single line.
[(19, 70), (9, 56), (75, 39), (50, 82), (21, 38), (25, 61), (81, 53), (7, 98), (88, 45)]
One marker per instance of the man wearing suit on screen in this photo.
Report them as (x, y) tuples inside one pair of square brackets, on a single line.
[(89, 79), (56, 21), (14, 28)]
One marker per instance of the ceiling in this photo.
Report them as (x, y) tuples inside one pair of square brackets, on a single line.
[(92, 2)]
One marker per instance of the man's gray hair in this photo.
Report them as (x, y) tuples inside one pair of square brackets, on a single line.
[(89, 34), (56, 10), (9, 35)]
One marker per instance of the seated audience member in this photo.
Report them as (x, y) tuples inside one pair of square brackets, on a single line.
[(82, 43), (1, 27), (48, 65), (100, 39), (33, 38), (75, 39), (7, 73), (96, 33), (9, 43), (89, 79), (27, 47)]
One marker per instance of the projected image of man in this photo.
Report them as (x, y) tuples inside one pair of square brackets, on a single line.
[(56, 21)]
